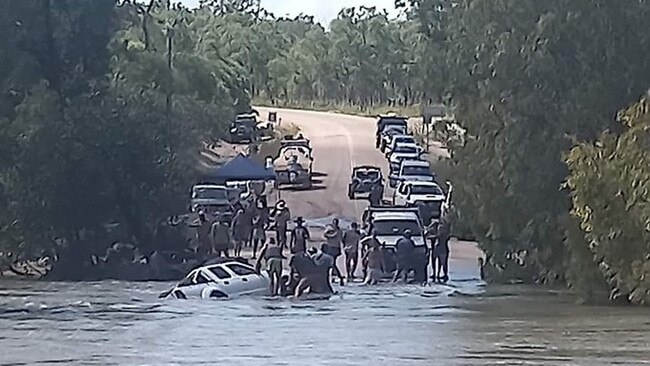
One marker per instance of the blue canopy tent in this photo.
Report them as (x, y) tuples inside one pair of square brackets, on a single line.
[(242, 168)]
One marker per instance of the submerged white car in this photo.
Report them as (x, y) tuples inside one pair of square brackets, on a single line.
[(224, 280)]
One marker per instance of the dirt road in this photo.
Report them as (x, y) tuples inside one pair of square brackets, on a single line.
[(340, 142)]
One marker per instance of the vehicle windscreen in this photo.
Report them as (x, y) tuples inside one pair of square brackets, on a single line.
[(404, 140), (211, 193), (416, 189), (405, 149), (416, 170), (396, 227), (368, 175)]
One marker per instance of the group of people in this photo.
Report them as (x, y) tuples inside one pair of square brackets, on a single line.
[(247, 228), (311, 268)]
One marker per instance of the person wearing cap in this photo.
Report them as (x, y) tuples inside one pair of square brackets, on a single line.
[(281, 216), (299, 237), (404, 249)]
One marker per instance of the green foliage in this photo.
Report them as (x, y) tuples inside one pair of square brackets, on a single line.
[(527, 78), (103, 108), (610, 185)]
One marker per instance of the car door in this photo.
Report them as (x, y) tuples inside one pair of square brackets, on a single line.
[(189, 287), (251, 281)]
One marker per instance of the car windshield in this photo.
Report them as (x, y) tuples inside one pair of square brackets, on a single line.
[(396, 227), (211, 193), (405, 149), (422, 189), (404, 140), (367, 175), (416, 170)]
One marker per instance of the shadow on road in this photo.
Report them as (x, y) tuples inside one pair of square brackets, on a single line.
[(314, 187), (318, 175)]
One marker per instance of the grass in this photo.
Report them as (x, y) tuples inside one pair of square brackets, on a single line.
[(344, 108)]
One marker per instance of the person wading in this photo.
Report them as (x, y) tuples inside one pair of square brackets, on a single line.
[(351, 240), (440, 253), (221, 238), (203, 235), (299, 237), (281, 216), (239, 231), (404, 249), (260, 224), (334, 239), (374, 258), (272, 254), (368, 243)]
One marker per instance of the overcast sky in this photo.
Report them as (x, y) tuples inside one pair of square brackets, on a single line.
[(323, 10)]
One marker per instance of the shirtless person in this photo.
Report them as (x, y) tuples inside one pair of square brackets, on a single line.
[(351, 240), (375, 262)]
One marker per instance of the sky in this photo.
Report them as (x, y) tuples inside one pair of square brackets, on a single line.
[(323, 10)]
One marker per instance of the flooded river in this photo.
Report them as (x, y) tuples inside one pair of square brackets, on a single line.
[(117, 323)]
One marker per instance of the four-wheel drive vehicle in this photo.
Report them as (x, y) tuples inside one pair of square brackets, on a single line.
[(396, 139), (244, 128), (402, 153), (363, 179), (412, 170), (389, 122), (290, 141), (387, 135), (390, 224), (428, 197), (213, 199), (293, 166)]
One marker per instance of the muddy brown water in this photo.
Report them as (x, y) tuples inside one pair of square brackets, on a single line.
[(463, 323)]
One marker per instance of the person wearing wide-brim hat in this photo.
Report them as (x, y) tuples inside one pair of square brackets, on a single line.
[(299, 237), (281, 216)]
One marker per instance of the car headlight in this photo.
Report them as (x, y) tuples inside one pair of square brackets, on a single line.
[(233, 130)]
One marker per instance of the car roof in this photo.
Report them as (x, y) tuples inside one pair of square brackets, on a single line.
[(415, 163), (366, 167), (421, 183), (403, 135), (396, 215), (208, 186)]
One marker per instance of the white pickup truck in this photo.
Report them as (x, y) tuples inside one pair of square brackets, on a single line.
[(411, 170)]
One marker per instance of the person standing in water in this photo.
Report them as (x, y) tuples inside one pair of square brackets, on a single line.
[(220, 238), (204, 247), (281, 216), (260, 224), (374, 259), (239, 231), (272, 254), (351, 240), (404, 249), (299, 237), (334, 238), (440, 253)]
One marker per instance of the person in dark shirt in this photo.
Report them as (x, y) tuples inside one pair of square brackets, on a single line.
[(440, 253), (299, 237), (404, 249), (376, 195)]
